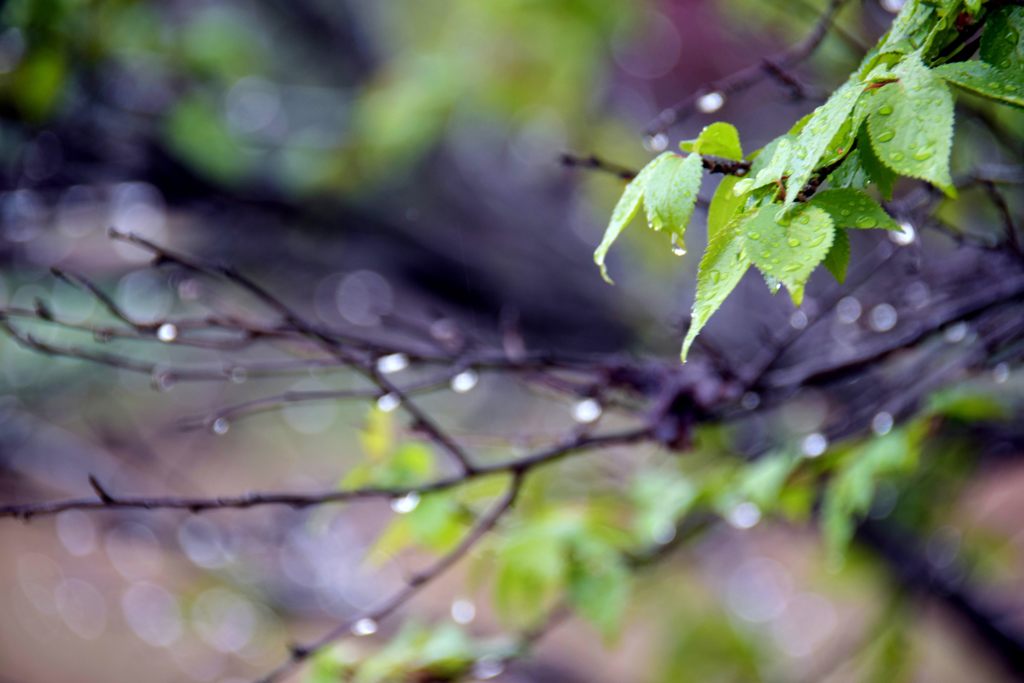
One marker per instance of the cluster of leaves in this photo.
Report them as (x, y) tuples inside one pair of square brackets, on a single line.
[(893, 117)]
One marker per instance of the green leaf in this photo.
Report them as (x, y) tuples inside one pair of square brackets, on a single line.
[(725, 204), (911, 124), (851, 173), (599, 585), (532, 568), (1002, 41), (967, 405), (670, 193), (660, 499), (838, 257), (625, 210), (762, 481), (910, 29), (788, 245), (1001, 85), (853, 209), (719, 139), (881, 175), (769, 166), (817, 135), (851, 490), (721, 269)]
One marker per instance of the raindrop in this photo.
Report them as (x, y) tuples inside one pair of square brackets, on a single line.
[(885, 111), (238, 374), (395, 362), (167, 333), (711, 102), (406, 503), (463, 611), (1001, 373), (798, 320), (220, 426), (883, 318), (656, 143), (76, 532), (881, 423), (793, 242), (465, 381), (886, 136), (82, 607), (364, 627), (848, 310), (750, 400), (678, 248), (587, 410), (388, 402), (744, 516), (486, 668), (905, 235), (956, 333), (814, 445), (896, 156), (866, 222), (152, 613)]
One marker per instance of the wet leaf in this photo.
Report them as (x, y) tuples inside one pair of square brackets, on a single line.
[(853, 209), (1005, 86), (788, 245), (911, 124), (721, 269)]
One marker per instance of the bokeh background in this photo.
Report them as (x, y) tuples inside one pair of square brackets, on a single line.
[(377, 160)]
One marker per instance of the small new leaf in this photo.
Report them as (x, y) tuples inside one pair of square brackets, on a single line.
[(670, 193), (719, 139), (788, 245)]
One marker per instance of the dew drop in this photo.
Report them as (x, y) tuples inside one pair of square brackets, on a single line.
[(1001, 373), (656, 143), (220, 426), (364, 627), (886, 136), (750, 400), (394, 362), (406, 503), (794, 242), (587, 410), (866, 222), (956, 332), (922, 154), (883, 318), (388, 402), (678, 248), (744, 516), (881, 423), (167, 333), (711, 102), (885, 111), (754, 235), (848, 310), (465, 381), (814, 445), (896, 156), (463, 611), (486, 668), (798, 320), (905, 235)]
